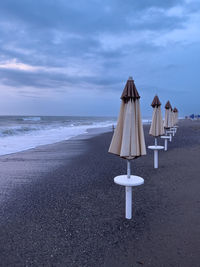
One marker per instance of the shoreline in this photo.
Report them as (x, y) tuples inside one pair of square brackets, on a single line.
[(41, 159), (73, 215), (89, 133)]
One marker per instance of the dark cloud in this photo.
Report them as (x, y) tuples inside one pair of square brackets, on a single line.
[(84, 17), (56, 30), (44, 80), (21, 79), (108, 40)]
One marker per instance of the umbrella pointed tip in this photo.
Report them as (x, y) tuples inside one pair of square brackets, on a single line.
[(156, 102), (130, 92), (168, 105), (130, 78)]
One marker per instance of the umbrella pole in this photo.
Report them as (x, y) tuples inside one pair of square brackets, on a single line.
[(156, 154), (165, 144), (128, 168), (128, 190), (156, 141), (155, 159)]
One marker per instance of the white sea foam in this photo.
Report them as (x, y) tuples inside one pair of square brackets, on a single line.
[(15, 143), (146, 121), (22, 133), (31, 119)]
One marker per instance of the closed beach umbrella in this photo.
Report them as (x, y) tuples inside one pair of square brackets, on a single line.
[(157, 128), (176, 115), (128, 139), (168, 116), (173, 118), (174, 128)]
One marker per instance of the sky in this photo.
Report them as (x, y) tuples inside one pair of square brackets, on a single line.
[(60, 57)]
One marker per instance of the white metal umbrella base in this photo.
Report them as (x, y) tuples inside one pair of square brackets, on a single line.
[(166, 137), (173, 130), (170, 134), (175, 127), (128, 183), (156, 148)]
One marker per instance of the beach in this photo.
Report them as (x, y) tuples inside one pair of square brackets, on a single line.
[(59, 205)]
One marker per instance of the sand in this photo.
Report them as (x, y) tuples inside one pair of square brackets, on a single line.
[(59, 205)]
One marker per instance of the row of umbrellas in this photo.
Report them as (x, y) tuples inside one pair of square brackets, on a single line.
[(171, 118), (128, 139), (158, 128)]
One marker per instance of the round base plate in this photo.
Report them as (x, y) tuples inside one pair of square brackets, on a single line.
[(125, 181), (156, 147)]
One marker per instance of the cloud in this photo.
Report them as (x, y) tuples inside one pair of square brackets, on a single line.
[(57, 46), (13, 64)]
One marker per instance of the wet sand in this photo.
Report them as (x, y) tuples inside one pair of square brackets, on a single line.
[(59, 205)]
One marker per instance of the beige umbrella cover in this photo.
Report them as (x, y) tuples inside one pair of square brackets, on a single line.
[(176, 115), (128, 139), (173, 117), (157, 127), (168, 115)]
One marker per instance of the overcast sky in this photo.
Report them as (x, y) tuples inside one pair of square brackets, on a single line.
[(60, 57)]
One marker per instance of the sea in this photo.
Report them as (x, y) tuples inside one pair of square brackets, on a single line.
[(19, 133)]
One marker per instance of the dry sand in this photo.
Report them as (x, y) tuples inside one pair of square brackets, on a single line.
[(59, 205)]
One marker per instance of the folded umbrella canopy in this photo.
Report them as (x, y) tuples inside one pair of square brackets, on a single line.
[(168, 115), (173, 117), (176, 115), (157, 127), (128, 139)]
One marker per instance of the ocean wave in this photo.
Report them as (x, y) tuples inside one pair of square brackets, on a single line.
[(20, 130), (16, 140), (22, 133), (146, 121), (17, 143), (31, 118)]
